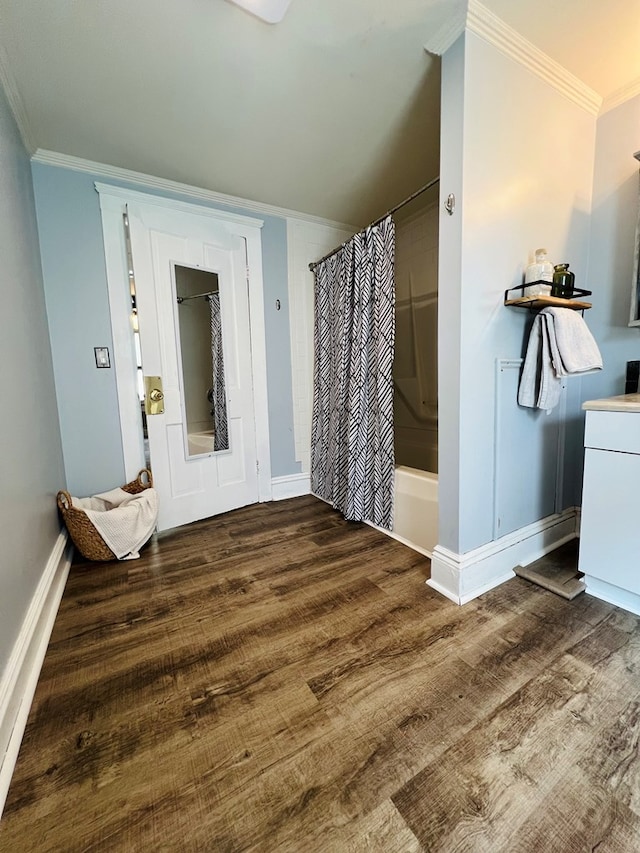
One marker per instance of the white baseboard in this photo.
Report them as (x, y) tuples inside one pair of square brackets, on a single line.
[(19, 680), (463, 577), (612, 594), (290, 486)]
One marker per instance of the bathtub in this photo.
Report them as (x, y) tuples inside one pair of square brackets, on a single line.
[(415, 514), (200, 442), (415, 511)]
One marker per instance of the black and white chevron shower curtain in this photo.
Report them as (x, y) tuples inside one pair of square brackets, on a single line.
[(219, 396), (352, 451)]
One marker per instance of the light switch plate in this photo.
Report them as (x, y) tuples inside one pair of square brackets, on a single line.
[(102, 356)]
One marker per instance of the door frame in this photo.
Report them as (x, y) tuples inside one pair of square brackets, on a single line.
[(113, 202)]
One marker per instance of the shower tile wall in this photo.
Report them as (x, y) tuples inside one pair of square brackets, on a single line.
[(416, 365)]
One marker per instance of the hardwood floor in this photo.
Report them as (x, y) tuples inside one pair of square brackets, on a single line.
[(278, 679)]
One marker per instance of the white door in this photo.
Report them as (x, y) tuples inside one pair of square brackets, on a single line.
[(192, 479)]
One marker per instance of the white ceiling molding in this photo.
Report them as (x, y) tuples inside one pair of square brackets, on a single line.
[(492, 29), (615, 99), (8, 83), (508, 41), (449, 32), (77, 164)]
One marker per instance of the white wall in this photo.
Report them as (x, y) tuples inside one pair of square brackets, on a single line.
[(31, 467), (524, 180)]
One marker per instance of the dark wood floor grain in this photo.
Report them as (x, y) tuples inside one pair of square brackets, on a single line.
[(278, 679)]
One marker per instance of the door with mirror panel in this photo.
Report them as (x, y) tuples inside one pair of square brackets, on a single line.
[(194, 326)]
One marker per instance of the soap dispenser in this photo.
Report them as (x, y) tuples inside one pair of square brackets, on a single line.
[(541, 270)]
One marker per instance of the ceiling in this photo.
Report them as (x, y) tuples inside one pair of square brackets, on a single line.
[(597, 40), (333, 112)]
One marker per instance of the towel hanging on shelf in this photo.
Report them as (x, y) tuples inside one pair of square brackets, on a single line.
[(560, 344)]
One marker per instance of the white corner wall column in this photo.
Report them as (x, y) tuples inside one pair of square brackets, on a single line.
[(20, 678), (506, 481)]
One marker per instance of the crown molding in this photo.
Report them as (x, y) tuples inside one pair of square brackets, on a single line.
[(620, 96), (448, 33), (8, 83), (508, 41), (77, 164), (482, 22)]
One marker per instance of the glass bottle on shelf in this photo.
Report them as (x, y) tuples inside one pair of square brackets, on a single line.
[(563, 281), (541, 270)]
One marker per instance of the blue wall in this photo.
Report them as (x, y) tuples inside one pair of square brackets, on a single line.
[(75, 285), (31, 468)]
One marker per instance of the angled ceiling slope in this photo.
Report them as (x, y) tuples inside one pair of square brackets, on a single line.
[(333, 112)]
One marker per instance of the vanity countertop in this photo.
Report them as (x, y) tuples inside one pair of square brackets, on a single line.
[(623, 403)]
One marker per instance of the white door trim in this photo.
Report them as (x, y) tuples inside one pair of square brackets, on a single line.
[(113, 201), (173, 204)]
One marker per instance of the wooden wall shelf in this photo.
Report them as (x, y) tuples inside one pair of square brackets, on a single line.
[(537, 303)]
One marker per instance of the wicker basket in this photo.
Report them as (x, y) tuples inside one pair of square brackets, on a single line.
[(84, 535)]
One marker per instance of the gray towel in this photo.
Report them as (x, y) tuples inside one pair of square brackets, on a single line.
[(539, 386), (560, 344), (573, 348)]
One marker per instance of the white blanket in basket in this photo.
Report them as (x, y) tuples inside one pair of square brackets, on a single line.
[(124, 521)]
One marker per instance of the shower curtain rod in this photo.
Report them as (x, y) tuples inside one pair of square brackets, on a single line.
[(426, 187), (182, 299)]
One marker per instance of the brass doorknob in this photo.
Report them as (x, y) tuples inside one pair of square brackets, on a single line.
[(154, 396)]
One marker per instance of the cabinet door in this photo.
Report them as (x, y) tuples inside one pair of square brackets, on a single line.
[(610, 526)]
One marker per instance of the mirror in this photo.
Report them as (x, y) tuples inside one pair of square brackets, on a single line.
[(199, 329), (634, 316)]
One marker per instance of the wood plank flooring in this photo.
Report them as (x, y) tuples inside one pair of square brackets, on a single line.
[(278, 679)]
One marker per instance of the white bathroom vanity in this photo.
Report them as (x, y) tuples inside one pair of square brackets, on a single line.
[(610, 525)]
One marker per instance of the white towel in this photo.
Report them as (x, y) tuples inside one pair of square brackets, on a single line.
[(560, 344), (124, 521)]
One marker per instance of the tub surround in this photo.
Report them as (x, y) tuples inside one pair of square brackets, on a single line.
[(415, 515), (611, 501), (415, 510)]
